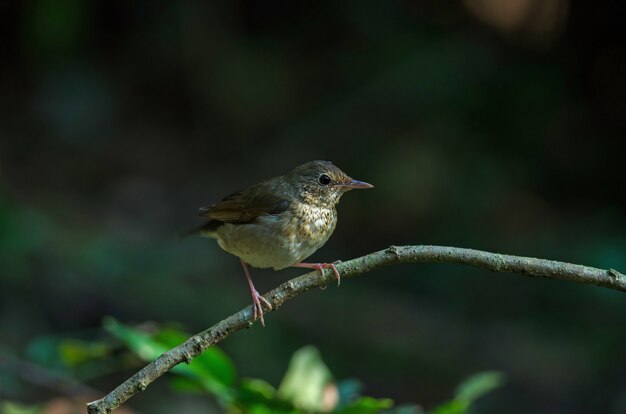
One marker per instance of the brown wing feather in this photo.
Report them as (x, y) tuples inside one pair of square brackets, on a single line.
[(245, 206)]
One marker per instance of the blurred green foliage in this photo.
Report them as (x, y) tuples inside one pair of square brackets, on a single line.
[(212, 370), (8, 407), (470, 390), (307, 386)]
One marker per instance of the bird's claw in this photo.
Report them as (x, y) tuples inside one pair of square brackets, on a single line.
[(322, 266), (257, 307)]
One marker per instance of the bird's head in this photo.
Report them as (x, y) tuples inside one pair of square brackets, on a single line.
[(322, 183)]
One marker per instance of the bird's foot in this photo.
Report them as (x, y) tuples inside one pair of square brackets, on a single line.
[(321, 267), (257, 306)]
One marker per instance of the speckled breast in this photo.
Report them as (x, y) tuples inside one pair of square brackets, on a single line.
[(279, 241), (314, 227)]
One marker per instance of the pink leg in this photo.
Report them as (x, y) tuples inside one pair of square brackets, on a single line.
[(257, 308), (321, 267)]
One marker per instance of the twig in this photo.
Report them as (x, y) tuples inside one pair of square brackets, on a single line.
[(195, 345)]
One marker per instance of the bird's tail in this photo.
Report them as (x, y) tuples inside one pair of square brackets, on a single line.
[(206, 230)]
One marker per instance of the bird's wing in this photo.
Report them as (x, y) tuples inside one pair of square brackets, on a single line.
[(245, 206)]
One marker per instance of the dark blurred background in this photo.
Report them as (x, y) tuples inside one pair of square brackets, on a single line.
[(482, 123)]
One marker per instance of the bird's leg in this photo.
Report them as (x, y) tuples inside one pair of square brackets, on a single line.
[(321, 267), (256, 297)]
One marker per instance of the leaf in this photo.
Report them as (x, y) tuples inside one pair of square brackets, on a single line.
[(170, 337), (406, 409), (451, 407), (212, 370), (367, 405), (217, 363), (305, 380), (470, 390), (349, 389), (8, 407), (264, 409), (478, 385), (45, 351), (212, 361), (259, 396), (185, 385), (139, 342), (74, 352), (254, 390)]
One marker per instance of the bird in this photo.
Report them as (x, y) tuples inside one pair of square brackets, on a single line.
[(280, 221)]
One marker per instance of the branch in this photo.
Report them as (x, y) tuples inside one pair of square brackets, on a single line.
[(495, 262)]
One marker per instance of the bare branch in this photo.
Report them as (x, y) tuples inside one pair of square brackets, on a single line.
[(195, 345)]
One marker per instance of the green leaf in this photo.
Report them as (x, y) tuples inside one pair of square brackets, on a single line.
[(264, 409), (254, 390), (305, 380), (367, 405), (185, 385), (406, 409), (349, 389), (213, 361), (258, 396), (8, 407), (212, 370), (451, 407), (170, 337), (470, 390), (45, 351), (478, 385), (137, 341), (74, 352)]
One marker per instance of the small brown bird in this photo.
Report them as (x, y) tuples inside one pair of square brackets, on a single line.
[(280, 221)]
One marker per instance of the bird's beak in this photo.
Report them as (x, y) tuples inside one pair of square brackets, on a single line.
[(355, 184)]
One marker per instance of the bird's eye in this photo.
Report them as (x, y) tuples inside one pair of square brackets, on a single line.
[(324, 179)]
